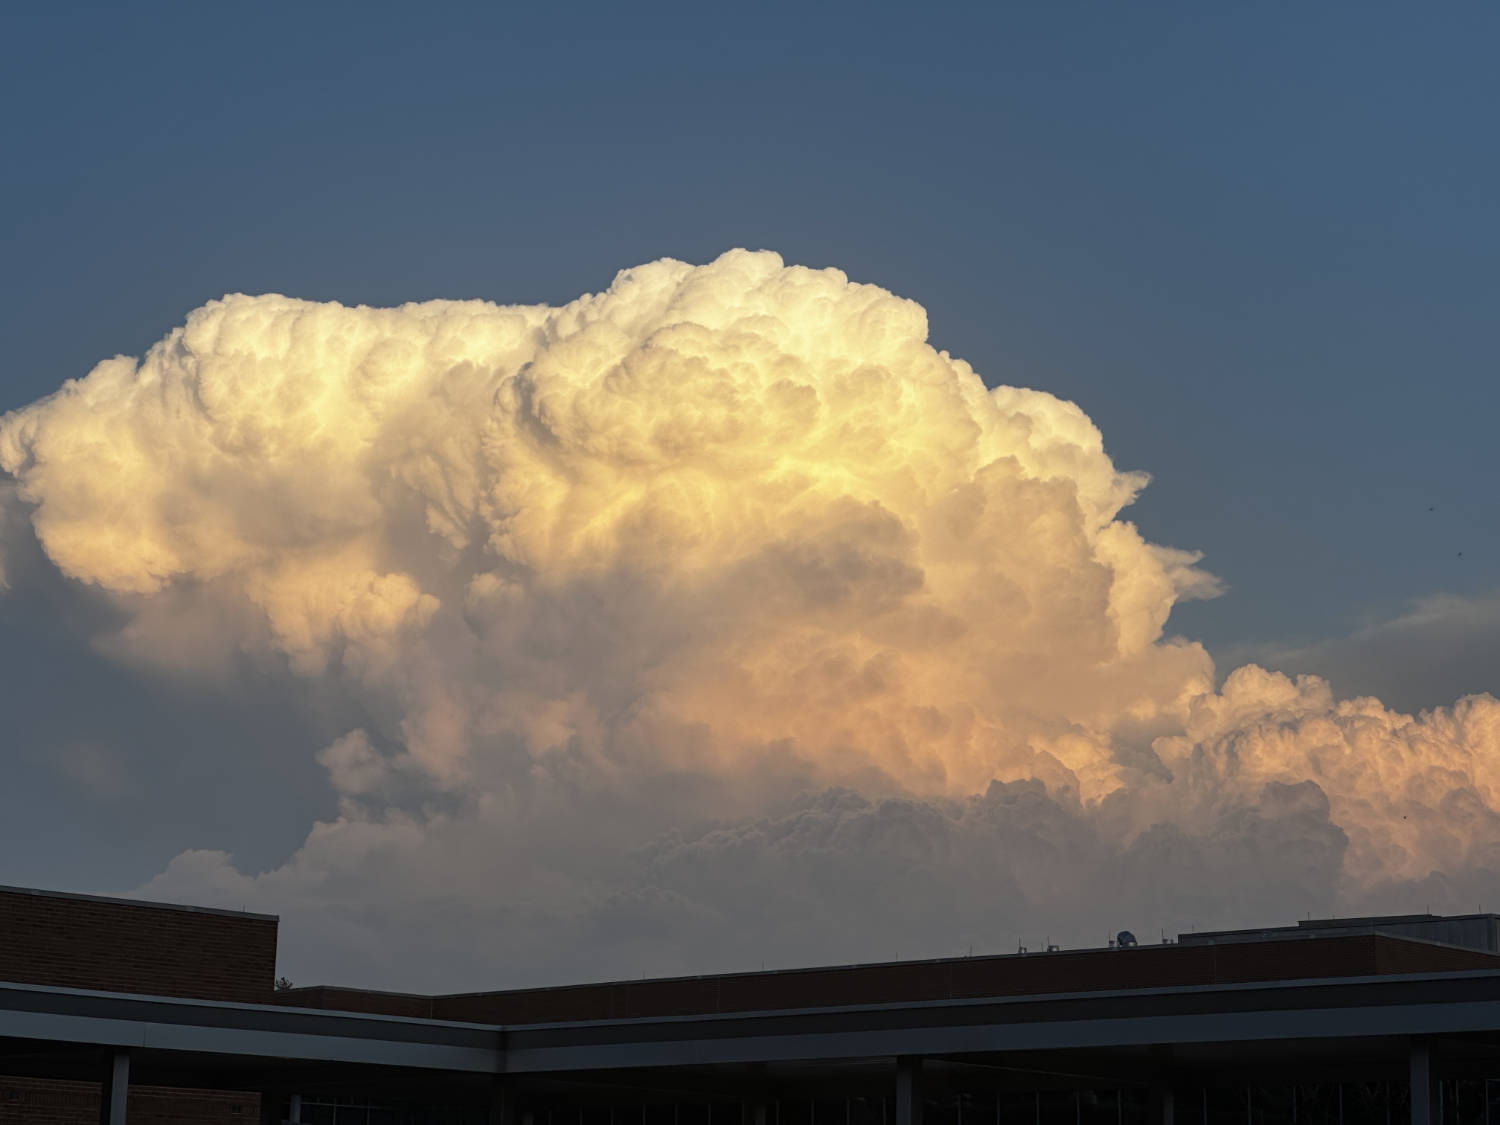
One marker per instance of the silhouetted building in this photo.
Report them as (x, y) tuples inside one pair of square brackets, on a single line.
[(164, 1014), (1466, 931)]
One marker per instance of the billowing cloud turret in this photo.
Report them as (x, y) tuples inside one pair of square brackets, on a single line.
[(712, 613)]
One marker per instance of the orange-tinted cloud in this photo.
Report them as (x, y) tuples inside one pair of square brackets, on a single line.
[(677, 552)]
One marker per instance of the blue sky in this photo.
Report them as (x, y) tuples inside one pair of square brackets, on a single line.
[(1256, 243)]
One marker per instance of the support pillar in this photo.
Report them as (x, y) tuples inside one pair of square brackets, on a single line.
[(755, 1102), (1163, 1105), (114, 1089), (294, 1109), (909, 1090), (502, 1107), (1423, 1088)]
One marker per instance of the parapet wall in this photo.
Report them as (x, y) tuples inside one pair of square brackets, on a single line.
[(120, 945), (1161, 966)]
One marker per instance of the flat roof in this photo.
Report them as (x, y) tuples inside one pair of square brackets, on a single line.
[(1312, 927)]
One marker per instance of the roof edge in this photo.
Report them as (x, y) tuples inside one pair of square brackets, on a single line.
[(118, 900)]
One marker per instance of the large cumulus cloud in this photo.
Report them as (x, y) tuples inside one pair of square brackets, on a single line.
[(713, 617)]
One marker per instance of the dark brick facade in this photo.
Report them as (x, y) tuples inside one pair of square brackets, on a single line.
[(120, 945), (117, 945)]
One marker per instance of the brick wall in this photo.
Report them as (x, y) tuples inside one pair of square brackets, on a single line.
[(1160, 966), (117, 945), (37, 1101), (363, 1001)]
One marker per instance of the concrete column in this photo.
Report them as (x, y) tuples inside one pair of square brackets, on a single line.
[(1423, 1089), (502, 1103), (909, 1090), (755, 1104), (1163, 1105), (114, 1088), (294, 1109)]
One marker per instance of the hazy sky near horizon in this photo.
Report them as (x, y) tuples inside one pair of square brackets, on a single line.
[(1256, 245)]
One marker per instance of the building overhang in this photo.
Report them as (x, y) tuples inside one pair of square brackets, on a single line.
[(184, 1036)]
